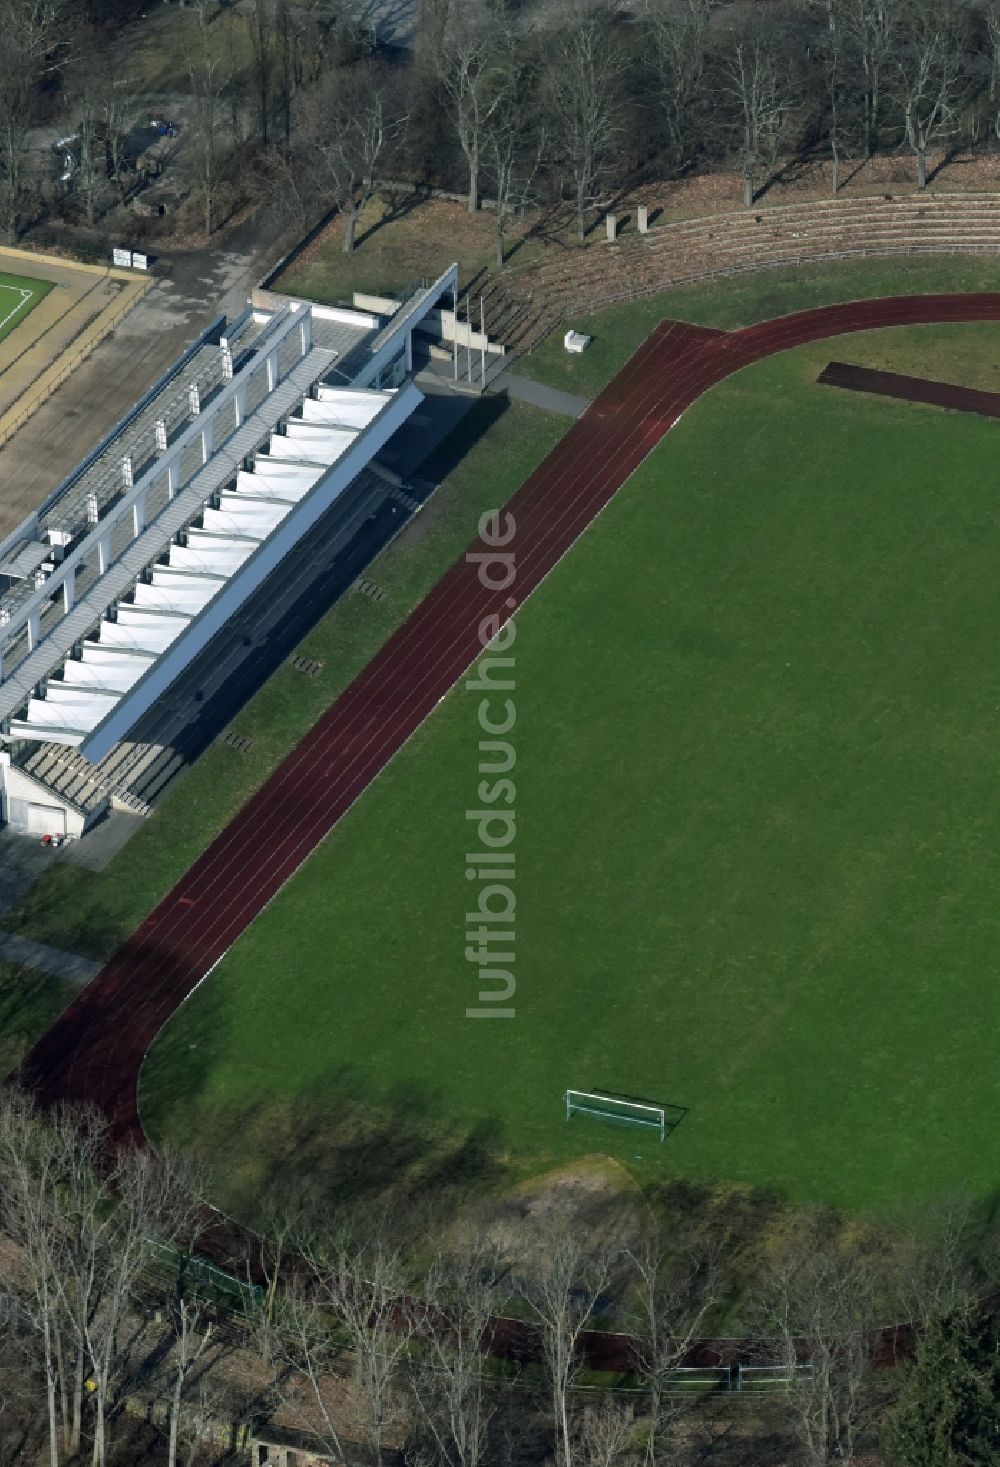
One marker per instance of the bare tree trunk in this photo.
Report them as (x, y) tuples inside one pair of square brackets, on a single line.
[(563, 1287), (187, 1358), (262, 58), (474, 181), (818, 1302), (50, 1392), (76, 1424), (583, 100), (447, 1378)]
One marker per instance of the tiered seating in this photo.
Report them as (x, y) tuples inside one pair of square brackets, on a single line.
[(523, 305), (68, 775)]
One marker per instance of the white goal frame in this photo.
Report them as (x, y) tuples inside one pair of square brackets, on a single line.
[(615, 1107)]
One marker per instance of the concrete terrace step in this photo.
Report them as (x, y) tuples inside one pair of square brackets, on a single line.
[(524, 308), (747, 267), (68, 776), (961, 217), (133, 775)]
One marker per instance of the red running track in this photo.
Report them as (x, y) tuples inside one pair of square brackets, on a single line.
[(94, 1052)]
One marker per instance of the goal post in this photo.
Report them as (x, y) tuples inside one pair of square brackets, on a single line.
[(616, 1108)]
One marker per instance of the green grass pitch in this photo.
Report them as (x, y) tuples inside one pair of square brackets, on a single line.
[(19, 296), (758, 847)]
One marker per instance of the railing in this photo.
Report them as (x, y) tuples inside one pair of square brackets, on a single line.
[(548, 321), (40, 601)]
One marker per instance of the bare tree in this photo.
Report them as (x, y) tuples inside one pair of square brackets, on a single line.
[(604, 1435), (145, 1200), (30, 1180), (91, 176), (473, 66), (346, 147), (929, 74), (119, 113), (210, 72), (33, 45), (817, 1307), (990, 11), (680, 41), (758, 89), (582, 86), (262, 42), (871, 27), (363, 1283), (311, 1345), (564, 1280), (678, 1280), (342, 1306), (453, 1399), (833, 50), (514, 167), (943, 1261), (15, 101), (189, 1348), (43, 30), (514, 142)]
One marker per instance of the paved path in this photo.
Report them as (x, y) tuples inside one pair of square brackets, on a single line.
[(95, 1050), (51, 960), (553, 399)]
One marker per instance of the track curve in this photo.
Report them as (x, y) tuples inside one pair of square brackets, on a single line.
[(95, 1050)]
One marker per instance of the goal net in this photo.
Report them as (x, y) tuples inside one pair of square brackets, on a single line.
[(615, 1108)]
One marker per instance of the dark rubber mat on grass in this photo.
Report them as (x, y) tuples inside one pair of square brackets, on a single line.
[(911, 389)]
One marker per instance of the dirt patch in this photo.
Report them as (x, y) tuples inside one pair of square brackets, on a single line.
[(594, 1197)]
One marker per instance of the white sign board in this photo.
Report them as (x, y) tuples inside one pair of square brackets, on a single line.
[(122, 257), (139, 262)]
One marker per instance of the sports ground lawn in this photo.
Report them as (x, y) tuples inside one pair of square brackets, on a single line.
[(19, 296), (617, 332), (758, 716)]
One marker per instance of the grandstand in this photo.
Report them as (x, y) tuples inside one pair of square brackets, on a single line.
[(146, 563)]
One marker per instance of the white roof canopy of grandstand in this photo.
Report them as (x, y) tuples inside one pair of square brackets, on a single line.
[(134, 564), (188, 566)]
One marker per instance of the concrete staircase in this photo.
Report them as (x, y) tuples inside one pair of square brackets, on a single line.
[(68, 776), (132, 776)]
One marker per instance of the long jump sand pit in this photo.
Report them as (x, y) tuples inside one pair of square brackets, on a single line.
[(45, 339)]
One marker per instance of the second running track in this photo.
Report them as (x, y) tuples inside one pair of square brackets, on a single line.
[(94, 1052)]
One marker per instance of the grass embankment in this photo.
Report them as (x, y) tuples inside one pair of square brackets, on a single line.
[(29, 1003), (729, 304), (757, 867), (484, 461), (400, 242)]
